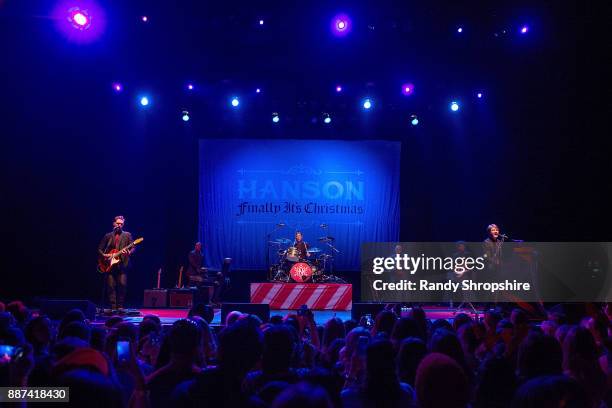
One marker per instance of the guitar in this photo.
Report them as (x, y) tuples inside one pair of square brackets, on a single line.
[(106, 264)]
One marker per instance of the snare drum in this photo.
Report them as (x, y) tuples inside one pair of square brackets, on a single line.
[(300, 272), (293, 254)]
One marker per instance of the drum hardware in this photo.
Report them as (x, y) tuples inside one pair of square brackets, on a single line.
[(327, 239), (314, 250), (277, 242)]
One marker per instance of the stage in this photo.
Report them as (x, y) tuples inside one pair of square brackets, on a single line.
[(169, 316)]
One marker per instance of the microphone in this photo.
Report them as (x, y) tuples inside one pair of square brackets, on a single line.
[(504, 236)]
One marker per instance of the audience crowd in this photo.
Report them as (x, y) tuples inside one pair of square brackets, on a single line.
[(400, 359)]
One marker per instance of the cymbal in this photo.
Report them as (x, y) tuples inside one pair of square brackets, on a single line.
[(327, 239), (282, 241), (314, 250)]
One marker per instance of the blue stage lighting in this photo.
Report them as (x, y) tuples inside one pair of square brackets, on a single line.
[(414, 120), (258, 90), (144, 101), (479, 95), (454, 106), (275, 117), (341, 25), (524, 29), (367, 104), (185, 116), (327, 118), (235, 102), (459, 30), (261, 22)]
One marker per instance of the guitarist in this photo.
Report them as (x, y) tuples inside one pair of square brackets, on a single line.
[(116, 279)]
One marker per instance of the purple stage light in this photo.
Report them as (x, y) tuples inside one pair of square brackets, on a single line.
[(80, 19), (407, 89), (145, 19), (338, 88), (117, 87), (190, 87), (341, 25), (524, 30), (84, 23)]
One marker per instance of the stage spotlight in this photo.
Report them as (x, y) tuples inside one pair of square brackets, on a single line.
[(275, 117), (79, 18), (185, 116), (407, 89), (341, 25), (338, 88), (454, 106), (524, 29), (414, 120), (327, 118), (258, 90), (367, 104), (190, 87), (261, 22), (145, 19), (144, 101), (235, 102), (479, 95), (459, 29), (80, 24), (117, 87)]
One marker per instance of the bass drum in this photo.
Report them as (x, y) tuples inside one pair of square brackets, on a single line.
[(300, 272)]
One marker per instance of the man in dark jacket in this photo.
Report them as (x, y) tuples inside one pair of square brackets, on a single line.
[(116, 278)]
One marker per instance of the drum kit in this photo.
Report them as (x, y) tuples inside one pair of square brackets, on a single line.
[(291, 266)]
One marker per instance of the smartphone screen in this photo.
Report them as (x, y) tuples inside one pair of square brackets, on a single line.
[(6, 353), (123, 350)]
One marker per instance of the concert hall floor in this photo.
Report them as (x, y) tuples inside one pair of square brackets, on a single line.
[(169, 316)]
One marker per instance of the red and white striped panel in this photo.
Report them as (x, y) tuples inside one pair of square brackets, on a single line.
[(317, 296)]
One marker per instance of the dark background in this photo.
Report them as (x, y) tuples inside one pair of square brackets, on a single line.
[(531, 156)]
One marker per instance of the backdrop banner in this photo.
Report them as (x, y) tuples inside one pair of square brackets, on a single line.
[(254, 192)]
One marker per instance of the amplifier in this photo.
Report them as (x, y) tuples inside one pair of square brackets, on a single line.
[(182, 298), (156, 298)]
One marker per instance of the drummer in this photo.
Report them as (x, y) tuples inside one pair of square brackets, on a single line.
[(301, 246)]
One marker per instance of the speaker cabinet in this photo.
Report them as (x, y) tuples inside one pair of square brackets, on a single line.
[(155, 298)]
